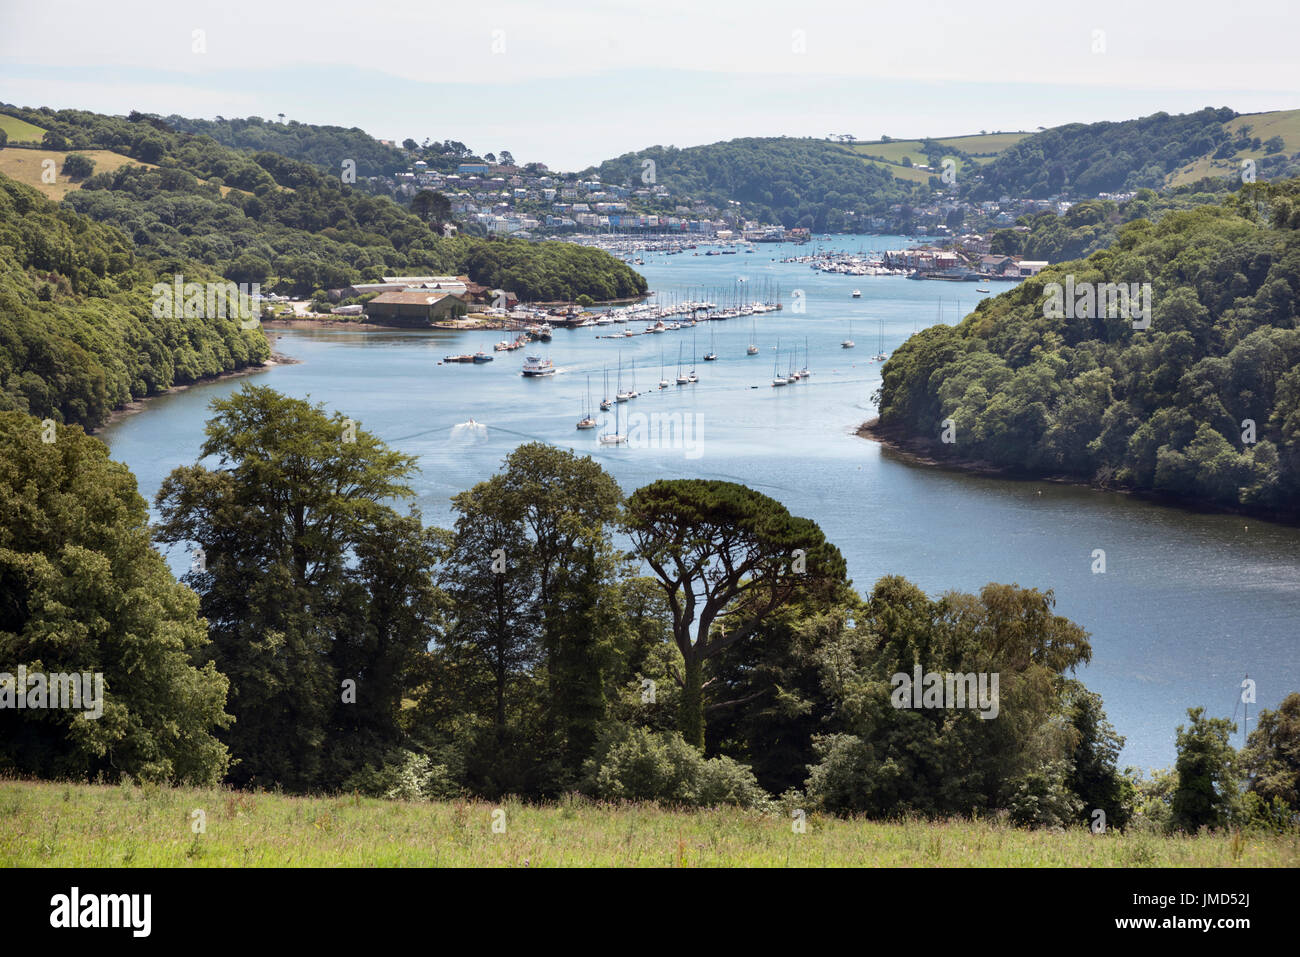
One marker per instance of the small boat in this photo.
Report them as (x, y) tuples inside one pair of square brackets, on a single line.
[(857, 293), (588, 421), (615, 437), (502, 346), (623, 395), (981, 288), (483, 357), (535, 366), (777, 378)]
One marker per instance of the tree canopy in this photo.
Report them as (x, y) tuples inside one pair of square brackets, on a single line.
[(82, 591), (1200, 406)]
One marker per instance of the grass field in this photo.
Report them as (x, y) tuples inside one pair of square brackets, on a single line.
[(26, 166), (20, 131), (56, 825), (983, 147), (1283, 123)]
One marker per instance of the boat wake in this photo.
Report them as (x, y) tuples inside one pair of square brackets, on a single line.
[(468, 433)]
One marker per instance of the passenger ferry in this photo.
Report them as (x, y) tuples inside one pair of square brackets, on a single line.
[(537, 366)]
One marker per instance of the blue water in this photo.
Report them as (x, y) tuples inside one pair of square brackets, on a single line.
[(1189, 602)]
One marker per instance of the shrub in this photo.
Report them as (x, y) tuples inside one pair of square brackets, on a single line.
[(635, 764), (1043, 798), (76, 166), (405, 776), (1258, 813)]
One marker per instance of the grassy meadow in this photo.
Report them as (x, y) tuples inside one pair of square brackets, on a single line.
[(20, 131), (983, 147), (49, 824), (26, 166)]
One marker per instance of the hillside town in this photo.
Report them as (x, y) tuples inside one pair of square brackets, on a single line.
[(530, 201)]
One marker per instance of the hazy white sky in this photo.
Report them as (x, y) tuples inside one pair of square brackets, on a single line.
[(571, 82)]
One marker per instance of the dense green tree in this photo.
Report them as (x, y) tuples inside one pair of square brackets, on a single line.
[(76, 166), (767, 701), (1093, 772), (569, 505), (317, 593), (83, 591), (725, 556), (881, 756), (1208, 774), (1271, 759), (492, 582)]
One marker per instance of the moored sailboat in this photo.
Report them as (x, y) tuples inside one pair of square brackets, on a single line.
[(588, 421)]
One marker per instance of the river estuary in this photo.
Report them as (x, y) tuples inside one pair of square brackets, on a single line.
[(1189, 603)]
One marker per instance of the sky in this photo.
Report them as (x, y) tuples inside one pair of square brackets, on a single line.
[(570, 83)]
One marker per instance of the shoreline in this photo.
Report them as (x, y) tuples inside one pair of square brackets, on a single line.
[(916, 451), (136, 406), (324, 324)]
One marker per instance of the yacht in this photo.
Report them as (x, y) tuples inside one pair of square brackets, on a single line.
[(615, 437), (777, 378), (622, 395), (849, 343), (588, 421)]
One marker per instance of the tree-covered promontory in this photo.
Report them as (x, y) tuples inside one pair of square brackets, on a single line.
[(1203, 405), (78, 337)]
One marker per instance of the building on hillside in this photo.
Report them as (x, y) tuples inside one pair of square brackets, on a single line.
[(994, 265)]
